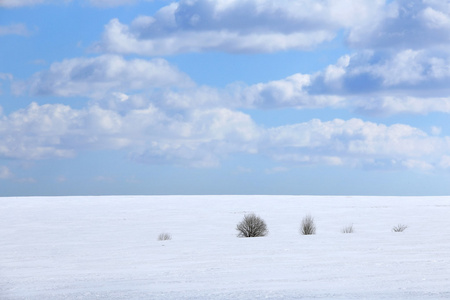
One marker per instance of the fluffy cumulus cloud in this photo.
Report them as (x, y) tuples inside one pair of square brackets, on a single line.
[(409, 77), (236, 26), (356, 143), (94, 77), (111, 79), (284, 93), (35, 132), (288, 92), (407, 81), (370, 82), (401, 64), (405, 24), (194, 137), (269, 26), (202, 137), (405, 67)]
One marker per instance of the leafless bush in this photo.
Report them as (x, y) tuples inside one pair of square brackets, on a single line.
[(252, 226), (399, 228), (164, 236), (348, 229), (308, 227)]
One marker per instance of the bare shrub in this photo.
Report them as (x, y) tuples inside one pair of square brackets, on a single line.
[(164, 236), (308, 227), (348, 229), (399, 228), (252, 226)]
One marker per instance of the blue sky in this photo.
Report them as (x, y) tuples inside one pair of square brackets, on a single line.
[(224, 97)]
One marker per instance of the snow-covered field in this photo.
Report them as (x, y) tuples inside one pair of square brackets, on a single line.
[(107, 248)]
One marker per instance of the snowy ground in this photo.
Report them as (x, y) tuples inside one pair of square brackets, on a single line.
[(107, 248)]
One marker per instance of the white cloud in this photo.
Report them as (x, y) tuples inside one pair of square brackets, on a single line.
[(371, 82), (203, 137), (99, 3), (391, 105), (370, 71), (198, 96), (435, 19), (19, 3), (14, 29), (417, 164), (94, 77), (404, 68), (289, 92), (355, 142), (435, 130), (35, 132), (194, 137), (378, 82), (405, 24), (445, 162), (235, 26), (55, 130)]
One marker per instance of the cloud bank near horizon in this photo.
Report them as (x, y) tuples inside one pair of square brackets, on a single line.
[(203, 137)]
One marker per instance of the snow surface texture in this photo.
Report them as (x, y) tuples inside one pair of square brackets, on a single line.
[(108, 248)]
